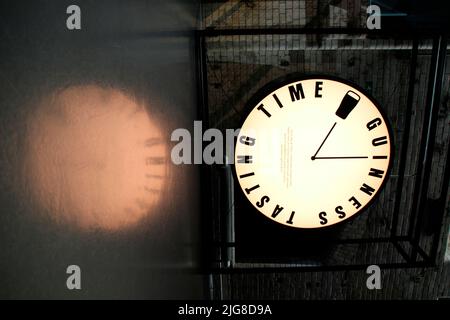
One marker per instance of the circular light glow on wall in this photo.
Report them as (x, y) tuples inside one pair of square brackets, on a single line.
[(95, 158), (312, 152)]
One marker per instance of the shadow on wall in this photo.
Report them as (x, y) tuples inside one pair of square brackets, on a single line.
[(85, 123)]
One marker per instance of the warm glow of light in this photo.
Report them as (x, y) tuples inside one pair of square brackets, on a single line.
[(95, 158), (286, 142)]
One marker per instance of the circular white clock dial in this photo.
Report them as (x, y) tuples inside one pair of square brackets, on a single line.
[(313, 153)]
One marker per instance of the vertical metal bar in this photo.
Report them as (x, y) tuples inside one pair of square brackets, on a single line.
[(405, 137), (428, 135), (206, 223), (227, 214), (418, 180), (203, 73), (442, 203)]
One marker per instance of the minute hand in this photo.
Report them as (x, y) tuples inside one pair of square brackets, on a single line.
[(356, 157), (326, 137)]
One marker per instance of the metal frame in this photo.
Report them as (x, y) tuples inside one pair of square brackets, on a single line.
[(216, 253)]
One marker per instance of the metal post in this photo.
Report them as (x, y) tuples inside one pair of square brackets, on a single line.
[(405, 138), (442, 203), (206, 223), (428, 137)]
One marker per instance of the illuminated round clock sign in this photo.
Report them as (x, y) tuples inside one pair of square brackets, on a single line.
[(312, 152)]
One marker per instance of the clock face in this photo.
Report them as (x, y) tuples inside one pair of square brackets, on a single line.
[(312, 152)]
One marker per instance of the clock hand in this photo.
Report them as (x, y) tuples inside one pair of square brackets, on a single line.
[(357, 157), (314, 156)]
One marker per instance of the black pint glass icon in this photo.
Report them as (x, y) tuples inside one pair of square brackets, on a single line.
[(348, 103)]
